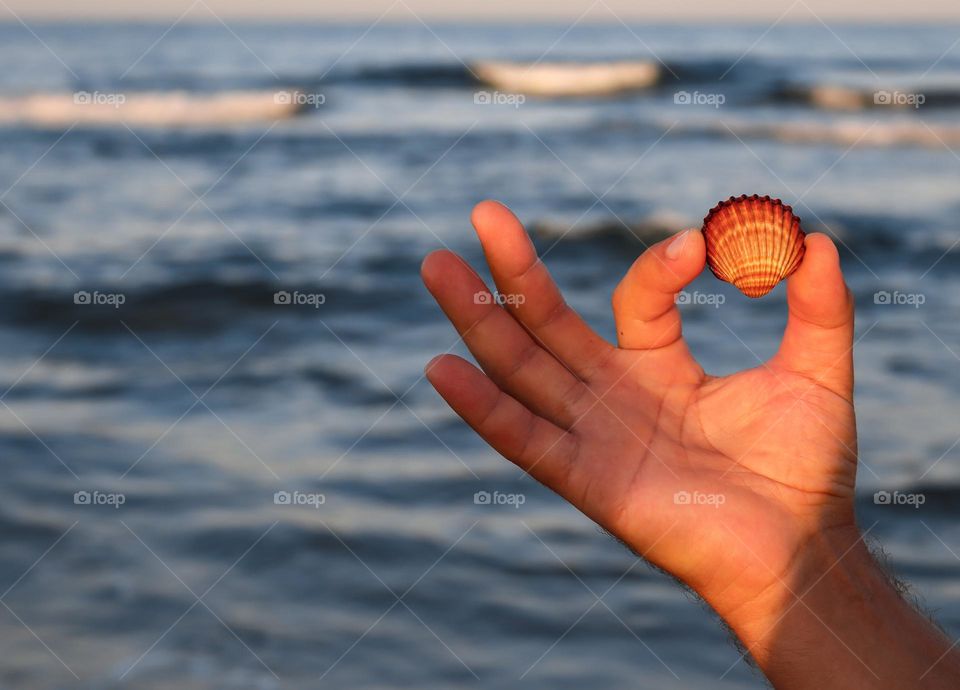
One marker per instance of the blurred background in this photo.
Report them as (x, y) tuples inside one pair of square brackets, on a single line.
[(221, 465)]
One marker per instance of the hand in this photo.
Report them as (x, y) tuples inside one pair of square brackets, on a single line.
[(766, 457), (623, 432)]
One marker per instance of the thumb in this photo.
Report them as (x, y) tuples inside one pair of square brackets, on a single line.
[(818, 340)]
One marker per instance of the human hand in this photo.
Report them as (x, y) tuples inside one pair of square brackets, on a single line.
[(627, 433), (624, 433)]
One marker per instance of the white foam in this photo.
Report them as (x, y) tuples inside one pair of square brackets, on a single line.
[(862, 133), (838, 98), (151, 109), (559, 79), (841, 131)]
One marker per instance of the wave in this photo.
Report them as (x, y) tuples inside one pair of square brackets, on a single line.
[(437, 74), (834, 97), (751, 81), (199, 304), (858, 232), (842, 132), (649, 230), (151, 109), (556, 78), (755, 80), (573, 79)]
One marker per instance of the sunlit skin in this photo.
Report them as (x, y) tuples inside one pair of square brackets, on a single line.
[(619, 431)]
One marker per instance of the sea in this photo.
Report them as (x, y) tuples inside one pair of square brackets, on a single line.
[(221, 466)]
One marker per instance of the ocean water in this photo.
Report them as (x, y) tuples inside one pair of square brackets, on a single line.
[(198, 398)]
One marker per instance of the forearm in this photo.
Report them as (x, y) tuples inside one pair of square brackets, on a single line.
[(838, 622)]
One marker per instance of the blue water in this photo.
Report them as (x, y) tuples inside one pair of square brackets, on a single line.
[(198, 398)]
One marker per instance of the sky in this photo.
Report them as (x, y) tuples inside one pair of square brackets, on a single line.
[(563, 10)]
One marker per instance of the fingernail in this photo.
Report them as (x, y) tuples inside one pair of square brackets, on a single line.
[(675, 248)]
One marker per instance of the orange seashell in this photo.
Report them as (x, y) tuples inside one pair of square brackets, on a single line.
[(753, 242)]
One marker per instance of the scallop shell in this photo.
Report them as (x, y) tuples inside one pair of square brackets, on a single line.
[(753, 242)]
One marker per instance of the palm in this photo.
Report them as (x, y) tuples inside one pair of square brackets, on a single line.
[(769, 444), (638, 437)]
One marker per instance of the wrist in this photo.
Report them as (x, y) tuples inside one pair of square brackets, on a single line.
[(836, 620), (830, 564)]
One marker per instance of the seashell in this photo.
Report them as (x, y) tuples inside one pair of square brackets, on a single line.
[(753, 242)]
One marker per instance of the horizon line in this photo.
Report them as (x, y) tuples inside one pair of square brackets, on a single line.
[(208, 18)]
